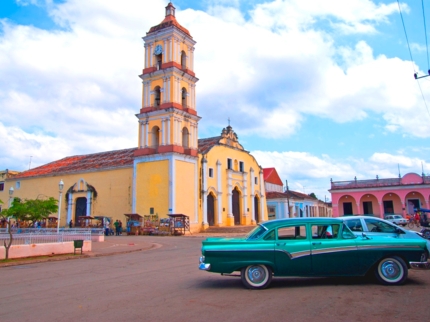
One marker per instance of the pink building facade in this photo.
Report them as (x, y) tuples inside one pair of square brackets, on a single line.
[(379, 197)]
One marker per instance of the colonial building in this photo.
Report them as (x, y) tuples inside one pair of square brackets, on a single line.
[(214, 181), (379, 197), (285, 203)]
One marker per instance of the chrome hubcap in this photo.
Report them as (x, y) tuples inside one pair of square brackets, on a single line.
[(256, 274), (390, 270)]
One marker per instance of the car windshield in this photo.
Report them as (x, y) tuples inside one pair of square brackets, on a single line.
[(256, 232), (397, 217)]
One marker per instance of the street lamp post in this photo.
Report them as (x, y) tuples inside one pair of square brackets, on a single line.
[(60, 187)]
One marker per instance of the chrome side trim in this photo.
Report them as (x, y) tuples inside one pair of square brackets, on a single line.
[(333, 250), (389, 246), (420, 265)]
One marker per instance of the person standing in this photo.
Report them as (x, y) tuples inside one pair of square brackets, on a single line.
[(120, 227), (116, 224), (70, 224)]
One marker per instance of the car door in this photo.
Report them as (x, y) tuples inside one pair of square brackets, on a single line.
[(333, 250), (292, 251)]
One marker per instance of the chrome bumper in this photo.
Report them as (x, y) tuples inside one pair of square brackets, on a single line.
[(420, 265), (202, 265)]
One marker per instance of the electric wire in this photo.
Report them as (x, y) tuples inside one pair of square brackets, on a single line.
[(425, 32), (410, 53), (406, 35)]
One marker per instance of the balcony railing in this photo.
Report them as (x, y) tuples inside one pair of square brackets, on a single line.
[(338, 185)]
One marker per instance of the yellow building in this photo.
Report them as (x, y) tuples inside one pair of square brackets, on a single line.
[(214, 181)]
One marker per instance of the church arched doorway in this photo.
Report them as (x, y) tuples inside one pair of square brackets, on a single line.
[(236, 206), (211, 209), (81, 208), (257, 209)]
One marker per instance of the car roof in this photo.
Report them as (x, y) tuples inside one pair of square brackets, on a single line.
[(359, 217), (314, 220)]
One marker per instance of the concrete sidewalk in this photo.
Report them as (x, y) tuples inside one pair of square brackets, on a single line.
[(112, 245)]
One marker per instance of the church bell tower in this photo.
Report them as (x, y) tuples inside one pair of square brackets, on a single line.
[(166, 160)]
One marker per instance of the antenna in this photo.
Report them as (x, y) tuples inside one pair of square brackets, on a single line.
[(29, 165), (398, 165)]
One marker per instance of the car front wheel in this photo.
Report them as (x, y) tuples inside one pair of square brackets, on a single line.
[(256, 276), (391, 271)]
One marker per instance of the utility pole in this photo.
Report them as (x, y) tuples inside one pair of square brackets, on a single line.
[(288, 199)]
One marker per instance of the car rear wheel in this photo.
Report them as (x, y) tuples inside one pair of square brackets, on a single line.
[(256, 276), (426, 234), (391, 271)]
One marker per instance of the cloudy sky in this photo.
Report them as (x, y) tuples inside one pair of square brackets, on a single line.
[(320, 90)]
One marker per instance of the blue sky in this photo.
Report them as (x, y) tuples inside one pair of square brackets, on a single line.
[(318, 89)]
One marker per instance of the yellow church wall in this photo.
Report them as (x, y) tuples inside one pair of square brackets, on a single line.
[(185, 188), (113, 188), (152, 188)]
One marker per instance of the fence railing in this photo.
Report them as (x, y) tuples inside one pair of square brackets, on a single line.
[(53, 231), (37, 238)]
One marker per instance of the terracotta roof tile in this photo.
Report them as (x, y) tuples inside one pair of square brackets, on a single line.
[(83, 163), (271, 176), (206, 144)]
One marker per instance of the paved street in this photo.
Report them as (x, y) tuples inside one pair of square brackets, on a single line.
[(163, 283)]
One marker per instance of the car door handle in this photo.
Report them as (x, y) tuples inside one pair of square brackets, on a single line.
[(316, 243), (280, 244)]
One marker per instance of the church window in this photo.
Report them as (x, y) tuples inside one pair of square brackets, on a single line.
[(18, 185), (185, 137), (1, 186), (229, 164), (255, 180), (155, 137), (241, 167), (211, 173), (157, 96), (183, 60), (184, 97)]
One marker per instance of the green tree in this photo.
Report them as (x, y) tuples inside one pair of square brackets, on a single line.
[(313, 195), (30, 210)]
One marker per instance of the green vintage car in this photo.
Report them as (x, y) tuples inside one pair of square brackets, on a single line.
[(312, 247)]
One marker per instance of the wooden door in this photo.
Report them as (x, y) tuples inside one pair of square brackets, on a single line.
[(236, 206), (211, 209)]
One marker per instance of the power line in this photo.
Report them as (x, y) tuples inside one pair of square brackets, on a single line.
[(425, 32), (406, 35)]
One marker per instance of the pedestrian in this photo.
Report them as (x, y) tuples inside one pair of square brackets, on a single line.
[(71, 224), (116, 224), (120, 227), (106, 227)]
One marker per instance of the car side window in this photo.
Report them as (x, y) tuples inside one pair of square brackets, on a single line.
[(270, 235), (377, 226), (325, 231), (354, 224), (292, 232)]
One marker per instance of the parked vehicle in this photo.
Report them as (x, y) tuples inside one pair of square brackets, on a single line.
[(312, 247), (396, 219), (374, 226), (425, 231)]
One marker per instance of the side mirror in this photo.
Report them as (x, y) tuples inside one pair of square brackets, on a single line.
[(364, 235)]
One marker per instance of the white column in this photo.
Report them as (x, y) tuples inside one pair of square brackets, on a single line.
[(192, 59), (168, 132), (88, 203), (162, 131), (146, 55), (146, 125), (165, 51), (245, 194), (262, 195), (252, 194), (205, 192), (69, 207), (219, 190), (142, 134), (170, 49), (151, 54), (229, 194)]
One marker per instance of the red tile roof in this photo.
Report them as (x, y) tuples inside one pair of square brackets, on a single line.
[(284, 195), (83, 163), (206, 144), (169, 21), (271, 176)]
